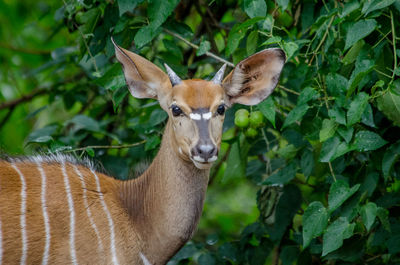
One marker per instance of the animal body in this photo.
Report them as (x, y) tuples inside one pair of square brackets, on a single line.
[(55, 210)]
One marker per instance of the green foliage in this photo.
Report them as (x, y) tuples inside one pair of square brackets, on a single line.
[(322, 159)]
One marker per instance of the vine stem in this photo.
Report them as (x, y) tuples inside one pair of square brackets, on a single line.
[(210, 54), (105, 147), (323, 39), (394, 45)]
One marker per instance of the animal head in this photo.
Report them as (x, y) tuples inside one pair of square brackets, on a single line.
[(196, 107)]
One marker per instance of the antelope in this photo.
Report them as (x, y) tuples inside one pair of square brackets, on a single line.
[(57, 210)]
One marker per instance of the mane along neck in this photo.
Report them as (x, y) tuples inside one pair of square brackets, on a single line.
[(166, 201)]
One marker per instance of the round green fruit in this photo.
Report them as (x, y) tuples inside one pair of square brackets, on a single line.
[(242, 121), (251, 132), (256, 119), (242, 112)]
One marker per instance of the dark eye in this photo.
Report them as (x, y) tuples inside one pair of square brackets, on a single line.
[(176, 111), (221, 109)]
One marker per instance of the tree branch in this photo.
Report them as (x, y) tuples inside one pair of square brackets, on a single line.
[(210, 54), (24, 98), (106, 146)]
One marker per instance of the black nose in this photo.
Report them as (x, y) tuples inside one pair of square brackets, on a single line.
[(205, 152)]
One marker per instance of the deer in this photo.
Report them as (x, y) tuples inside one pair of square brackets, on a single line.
[(55, 209)]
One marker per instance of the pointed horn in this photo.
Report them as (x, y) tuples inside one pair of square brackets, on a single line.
[(174, 78), (217, 79)]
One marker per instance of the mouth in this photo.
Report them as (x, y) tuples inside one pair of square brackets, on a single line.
[(202, 163)]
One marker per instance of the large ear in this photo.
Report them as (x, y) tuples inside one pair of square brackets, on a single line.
[(254, 78), (144, 79)]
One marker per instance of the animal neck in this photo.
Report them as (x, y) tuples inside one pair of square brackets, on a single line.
[(165, 203)]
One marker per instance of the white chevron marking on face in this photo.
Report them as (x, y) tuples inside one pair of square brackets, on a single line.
[(207, 115), (195, 116)]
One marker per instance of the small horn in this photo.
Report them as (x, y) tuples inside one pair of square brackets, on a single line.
[(217, 79), (174, 78)]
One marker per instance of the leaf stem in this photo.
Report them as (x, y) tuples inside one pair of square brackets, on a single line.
[(210, 54), (105, 147), (394, 46)]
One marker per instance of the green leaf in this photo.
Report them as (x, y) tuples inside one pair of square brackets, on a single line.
[(158, 11), (118, 96), (235, 167), (389, 104), (251, 43), (306, 95), (328, 130), (152, 142), (335, 234), (339, 193), (113, 79), (283, 4), (346, 133), (307, 163), (255, 8), (391, 155), (290, 48), (360, 72), (203, 47), (127, 5), (328, 149), (367, 141), (367, 117), (295, 115), (84, 122), (315, 220), (352, 54), (356, 109), (359, 30), (42, 135), (272, 40), (337, 114), (370, 6), (267, 108), (383, 215), (206, 259), (283, 176), (368, 214), (237, 33), (336, 84), (90, 151)]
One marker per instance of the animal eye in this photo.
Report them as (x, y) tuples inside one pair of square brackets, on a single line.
[(221, 109), (176, 111)]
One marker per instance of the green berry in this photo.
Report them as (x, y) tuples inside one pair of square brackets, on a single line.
[(242, 112), (251, 132), (256, 119), (242, 121)]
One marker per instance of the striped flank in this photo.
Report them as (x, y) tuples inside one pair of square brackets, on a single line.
[(71, 215), (110, 221), (45, 215), (88, 211), (23, 216)]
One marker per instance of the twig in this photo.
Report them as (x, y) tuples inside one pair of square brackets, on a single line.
[(323, 39), (331, 169), (24, 50), (394, 45), (210, 54), (8, 115), (288, 90), (105, 147), (28, 97)]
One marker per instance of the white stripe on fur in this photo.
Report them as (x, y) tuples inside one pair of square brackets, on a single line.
[(144, 259), (22, 216), (110, 221), (88, 211), (71, 215), (45, 215)]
